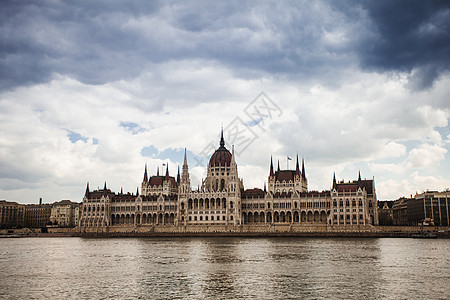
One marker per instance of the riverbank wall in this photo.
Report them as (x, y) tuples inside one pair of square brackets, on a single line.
[(229, 231)]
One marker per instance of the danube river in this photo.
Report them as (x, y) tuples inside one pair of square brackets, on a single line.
[(224, 268)]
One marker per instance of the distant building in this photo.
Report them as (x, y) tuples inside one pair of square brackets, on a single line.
[(400, 212), (37, 215), (385, 213), (221, 200), (65, 213), (12, 214), (430, 208)]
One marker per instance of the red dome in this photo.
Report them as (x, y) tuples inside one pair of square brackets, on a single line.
[(222, 157)]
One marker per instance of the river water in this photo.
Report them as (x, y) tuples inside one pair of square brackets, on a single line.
[(224, 268)]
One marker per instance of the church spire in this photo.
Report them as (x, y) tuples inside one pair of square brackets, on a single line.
[(157, 171), (278, 168), (222, 141), (87, 190), (145, 174), (137, 191), (359, 175), (178, 175)]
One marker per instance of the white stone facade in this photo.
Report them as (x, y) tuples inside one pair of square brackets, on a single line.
[(65, 213), (222, 200)]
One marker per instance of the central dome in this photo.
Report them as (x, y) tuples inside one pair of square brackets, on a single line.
[(221, 157)]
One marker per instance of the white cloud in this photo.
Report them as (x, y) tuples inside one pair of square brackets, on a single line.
[(426, 156)]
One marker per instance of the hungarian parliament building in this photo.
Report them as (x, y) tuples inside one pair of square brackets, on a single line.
[(222, 203)]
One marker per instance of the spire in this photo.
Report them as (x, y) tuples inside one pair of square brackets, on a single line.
[(157, 171), (167, 172), (233, 157), (297, 169), (185, 158), (265, 187), (359, 175), (104, 189), (137, 191), (334, 179), (271, 167), (178, 175), (278, 169), (145, 174), (121, 191), (303, 168), (222, 141), (87, 190)]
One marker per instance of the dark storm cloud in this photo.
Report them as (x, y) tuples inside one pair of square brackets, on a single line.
[(97, 42), (407, 36)]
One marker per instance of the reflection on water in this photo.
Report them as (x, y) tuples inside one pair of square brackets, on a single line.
[(199, 268)]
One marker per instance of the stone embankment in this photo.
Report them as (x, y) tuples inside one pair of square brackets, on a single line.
[(284, 230)]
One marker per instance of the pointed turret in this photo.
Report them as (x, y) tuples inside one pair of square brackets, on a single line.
[(271, 167), (104, 189), (232, 155), (222, 141), (297, 168), (121, 191), (359, 176), (334, 179), (278, 168), (178, 175), (137, 191), (303, 168), (145, 174), (167, 172), (184, 180), (87, 190), (185, 158), (157, 171), (265, 190)]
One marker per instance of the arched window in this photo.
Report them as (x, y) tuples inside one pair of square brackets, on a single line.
[(222, 184)]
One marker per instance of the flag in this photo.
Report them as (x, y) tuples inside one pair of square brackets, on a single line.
[(163, 164), (289, 158)]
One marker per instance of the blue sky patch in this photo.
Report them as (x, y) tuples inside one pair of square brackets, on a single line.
[(75, 136), (133, 127)]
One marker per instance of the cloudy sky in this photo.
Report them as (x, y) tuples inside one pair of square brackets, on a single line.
[(91, 91)]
